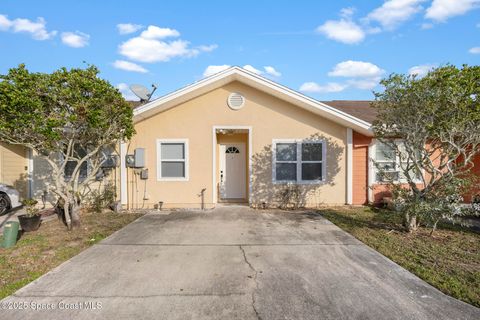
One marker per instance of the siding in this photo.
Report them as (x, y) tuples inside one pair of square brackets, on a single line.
[(13, 167), (360, 168)]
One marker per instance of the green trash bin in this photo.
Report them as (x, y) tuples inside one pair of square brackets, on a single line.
[(10, 233)]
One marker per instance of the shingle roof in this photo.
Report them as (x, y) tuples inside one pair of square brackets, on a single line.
[(358, 108)]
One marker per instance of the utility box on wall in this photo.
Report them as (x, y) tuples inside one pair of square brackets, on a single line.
[(139, 155), (137, 159)]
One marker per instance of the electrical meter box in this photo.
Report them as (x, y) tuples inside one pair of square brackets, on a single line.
[(144, 174), (137, 159)]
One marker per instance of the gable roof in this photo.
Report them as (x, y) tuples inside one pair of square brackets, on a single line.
[(361, 109), (260, 83)]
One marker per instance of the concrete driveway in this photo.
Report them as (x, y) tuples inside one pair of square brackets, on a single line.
[(232, 263)]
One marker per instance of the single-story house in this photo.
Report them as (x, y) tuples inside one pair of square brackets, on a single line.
[(238, 137)]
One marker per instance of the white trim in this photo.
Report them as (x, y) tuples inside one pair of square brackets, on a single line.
[(371, 171), (214, 159), (249, 78), (159, 159), (349, 166), (299, 161), (123, 174)]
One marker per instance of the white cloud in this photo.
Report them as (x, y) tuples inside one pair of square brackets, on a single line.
[(126, 92), (5, 23), (356, 69), (421, 70), (129, 66), (347, 12), (474, 50), (75, 39), (37, 29), (210, 70), (343, 30), (317, 88), (127, 28), (209, 48), (252, 69), (151, 47), (154, 32), (361, 75), (271, 71), (150, 50), (441, 10), (394, 12)]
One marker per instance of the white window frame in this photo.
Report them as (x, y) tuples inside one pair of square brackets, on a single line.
[(159, 160), (299, 161), (397, 165)]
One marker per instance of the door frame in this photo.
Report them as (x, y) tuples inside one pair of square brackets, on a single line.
[(214, 159)]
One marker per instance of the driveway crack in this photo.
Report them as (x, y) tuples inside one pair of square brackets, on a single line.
[(255, 273)]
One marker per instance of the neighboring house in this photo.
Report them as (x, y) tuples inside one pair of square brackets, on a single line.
[(14, 168), (239, 137)]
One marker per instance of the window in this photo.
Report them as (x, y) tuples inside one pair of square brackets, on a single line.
[(388, 163), (172, 160), (70, 166), (232, 150), (298, 161)]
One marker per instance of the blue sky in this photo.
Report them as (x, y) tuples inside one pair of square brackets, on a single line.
[(326, 49)]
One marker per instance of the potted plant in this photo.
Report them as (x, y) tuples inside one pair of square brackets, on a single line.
[(31, 220)]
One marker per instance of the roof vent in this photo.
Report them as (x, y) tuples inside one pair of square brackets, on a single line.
[(235, 101)]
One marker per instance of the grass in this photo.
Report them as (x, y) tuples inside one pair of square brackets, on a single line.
[(449, 260), (38, 252)]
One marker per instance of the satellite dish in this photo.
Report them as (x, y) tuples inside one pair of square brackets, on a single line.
[(142, 92)]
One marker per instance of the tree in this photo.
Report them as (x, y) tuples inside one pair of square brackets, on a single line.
[(68, 118), (437, 120)]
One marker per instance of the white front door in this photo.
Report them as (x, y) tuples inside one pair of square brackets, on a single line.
[(233, 171)]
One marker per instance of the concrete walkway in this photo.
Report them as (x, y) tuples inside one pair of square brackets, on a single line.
[(232, 263)]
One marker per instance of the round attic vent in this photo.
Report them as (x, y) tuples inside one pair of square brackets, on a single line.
[(235, 101)]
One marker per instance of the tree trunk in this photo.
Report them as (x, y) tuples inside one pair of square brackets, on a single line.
[(410, 222), (66, 212), (75, 216), (434, 227)]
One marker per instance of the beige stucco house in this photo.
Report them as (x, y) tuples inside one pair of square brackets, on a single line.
[(239, 137)]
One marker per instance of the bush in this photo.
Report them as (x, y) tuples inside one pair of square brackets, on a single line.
[(443, 202), (100, 200), (289, 197)]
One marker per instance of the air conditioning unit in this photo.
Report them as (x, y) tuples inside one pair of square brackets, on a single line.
[(110, 162), (388, 176)]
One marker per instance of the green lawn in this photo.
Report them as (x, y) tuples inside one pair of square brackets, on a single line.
[(448, 260), (38, 252)]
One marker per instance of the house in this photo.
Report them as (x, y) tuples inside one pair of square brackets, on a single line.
[(235, 137), (239, 137), (14, 167)]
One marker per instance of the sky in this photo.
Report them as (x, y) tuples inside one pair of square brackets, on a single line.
[(329, 50)]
